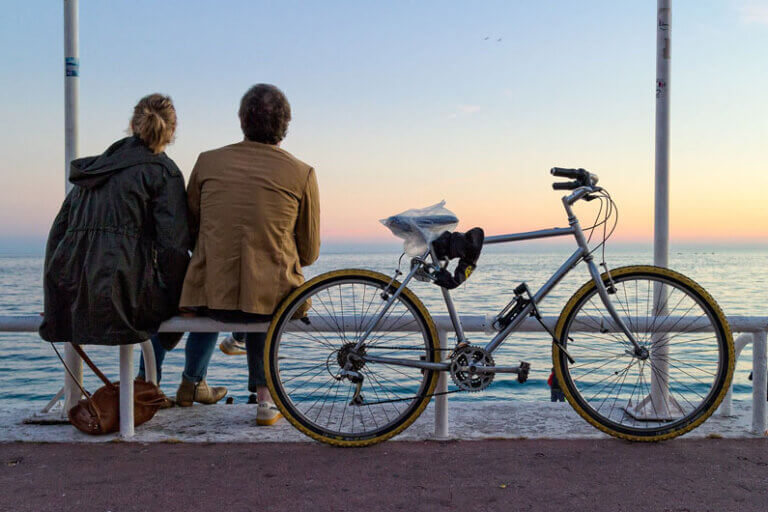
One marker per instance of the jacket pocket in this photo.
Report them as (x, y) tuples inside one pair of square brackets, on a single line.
[(152, 302), (60, 268)]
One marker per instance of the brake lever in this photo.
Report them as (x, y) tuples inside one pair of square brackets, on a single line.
[(590, 197)]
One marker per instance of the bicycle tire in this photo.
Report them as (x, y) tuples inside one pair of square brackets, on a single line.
[(674, 427), (290, 409)]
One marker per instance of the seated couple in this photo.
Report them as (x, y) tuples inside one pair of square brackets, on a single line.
[(118, 255)]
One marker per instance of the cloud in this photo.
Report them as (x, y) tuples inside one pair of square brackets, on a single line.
[(469, 109), (754, 11), (464, 110)]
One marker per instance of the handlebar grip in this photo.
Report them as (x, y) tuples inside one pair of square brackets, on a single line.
[(568, 173), (566, 185)]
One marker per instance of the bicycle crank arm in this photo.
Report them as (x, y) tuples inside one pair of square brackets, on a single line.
[(491, 369)]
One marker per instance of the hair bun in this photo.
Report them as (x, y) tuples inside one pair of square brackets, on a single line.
[(154, 121)]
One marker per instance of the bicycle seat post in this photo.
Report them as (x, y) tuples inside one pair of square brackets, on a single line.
[(455, 320)]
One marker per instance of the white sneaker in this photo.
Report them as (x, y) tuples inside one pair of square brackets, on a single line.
[(232, 347), (267, 414)]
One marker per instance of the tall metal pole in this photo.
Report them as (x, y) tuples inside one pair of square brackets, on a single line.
[(661, 216), (71, 77), (661, 403), (658, 405)]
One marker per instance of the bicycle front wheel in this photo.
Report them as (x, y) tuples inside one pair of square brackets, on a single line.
[(304, 361), (671, 389)]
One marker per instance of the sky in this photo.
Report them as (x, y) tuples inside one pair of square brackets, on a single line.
[(402, 104)]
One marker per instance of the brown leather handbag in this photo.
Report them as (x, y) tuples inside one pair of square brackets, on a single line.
[(99, 413)]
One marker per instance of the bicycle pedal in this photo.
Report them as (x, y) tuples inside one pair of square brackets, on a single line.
[(522, 375)]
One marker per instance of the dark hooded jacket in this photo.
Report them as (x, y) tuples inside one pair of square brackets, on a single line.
[(118, 249)]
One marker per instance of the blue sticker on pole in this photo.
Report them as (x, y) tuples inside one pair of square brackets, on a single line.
[(72, 66)]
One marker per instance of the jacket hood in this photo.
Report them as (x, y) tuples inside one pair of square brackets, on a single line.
[(93, 171)]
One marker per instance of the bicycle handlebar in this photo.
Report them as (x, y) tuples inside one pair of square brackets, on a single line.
[(580, 177), (566, 185), (568, 173)]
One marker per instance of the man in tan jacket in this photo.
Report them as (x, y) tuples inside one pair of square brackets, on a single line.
[(256, 216)]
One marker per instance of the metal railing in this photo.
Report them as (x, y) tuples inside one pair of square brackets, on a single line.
[(754, 330)]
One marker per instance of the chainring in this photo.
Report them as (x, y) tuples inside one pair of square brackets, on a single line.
[(462, 362)]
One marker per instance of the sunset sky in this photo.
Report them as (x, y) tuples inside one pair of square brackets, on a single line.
[(403, 104)]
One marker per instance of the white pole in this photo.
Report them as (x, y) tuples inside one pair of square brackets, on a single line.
[(759, 382), (150, 364), (126, 391), (738, 344), (659, 349), (441, 401), (661, 215), (71, 73)]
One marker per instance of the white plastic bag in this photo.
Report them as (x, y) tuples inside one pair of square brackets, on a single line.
[(419, 226)]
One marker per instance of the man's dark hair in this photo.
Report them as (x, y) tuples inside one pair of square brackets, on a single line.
[(264, 114)]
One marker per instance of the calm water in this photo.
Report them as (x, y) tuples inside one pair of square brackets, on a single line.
[(738, 280)]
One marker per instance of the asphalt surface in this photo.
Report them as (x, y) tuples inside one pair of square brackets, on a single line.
[(573, 475)]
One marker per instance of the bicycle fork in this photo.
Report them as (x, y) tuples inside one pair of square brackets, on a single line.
[(640, 352)]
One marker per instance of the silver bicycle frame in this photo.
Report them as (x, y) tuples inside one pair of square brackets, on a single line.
[(581, 254)]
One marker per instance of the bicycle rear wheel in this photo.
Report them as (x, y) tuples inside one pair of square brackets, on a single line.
[(304, 361), (690, 354)]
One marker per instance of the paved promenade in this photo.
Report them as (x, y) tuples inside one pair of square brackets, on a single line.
[(468, 421), (513, 456), (547, 475)]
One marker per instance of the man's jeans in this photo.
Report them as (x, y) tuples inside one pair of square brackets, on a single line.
[(198, 352), (197, 355)]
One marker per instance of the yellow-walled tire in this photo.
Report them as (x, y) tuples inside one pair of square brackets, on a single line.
[(288, 309), (678, 426)]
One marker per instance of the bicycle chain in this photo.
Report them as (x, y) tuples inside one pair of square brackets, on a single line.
[(430, 395)]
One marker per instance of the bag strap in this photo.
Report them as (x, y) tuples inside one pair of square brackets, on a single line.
[(89, 399), (72, 375), (92, 366)]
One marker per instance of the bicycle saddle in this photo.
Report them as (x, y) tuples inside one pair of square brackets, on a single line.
[(465, 246)]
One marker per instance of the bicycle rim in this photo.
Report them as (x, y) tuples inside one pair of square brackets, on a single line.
[(306, 360), (665, 395)]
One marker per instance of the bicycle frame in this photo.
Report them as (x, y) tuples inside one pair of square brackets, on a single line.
[(582, 253)]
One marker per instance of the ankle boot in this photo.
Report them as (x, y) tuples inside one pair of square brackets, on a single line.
[(200, 392)]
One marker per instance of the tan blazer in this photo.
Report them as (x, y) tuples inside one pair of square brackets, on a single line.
[(255, 209)]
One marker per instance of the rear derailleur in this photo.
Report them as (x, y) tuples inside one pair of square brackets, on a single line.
[(355, 378)]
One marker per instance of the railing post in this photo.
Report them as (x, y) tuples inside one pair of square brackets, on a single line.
[(72, 393), (759, 382), (738, 344), (441, 401), (150, 365), (53, 401), (126, 391)]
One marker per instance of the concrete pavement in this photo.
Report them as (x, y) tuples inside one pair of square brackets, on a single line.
[(531, 475)]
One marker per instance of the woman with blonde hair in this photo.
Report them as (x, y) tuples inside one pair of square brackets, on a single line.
[(119, 247)]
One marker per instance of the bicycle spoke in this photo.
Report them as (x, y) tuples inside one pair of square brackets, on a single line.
[(652, 392), (312, 358)]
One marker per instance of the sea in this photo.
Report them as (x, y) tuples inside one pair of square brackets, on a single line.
[(737, 277)]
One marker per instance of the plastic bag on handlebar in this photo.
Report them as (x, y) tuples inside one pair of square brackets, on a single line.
[(418, 226)]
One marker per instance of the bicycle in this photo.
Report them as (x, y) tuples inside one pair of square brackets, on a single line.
[(641, 352)]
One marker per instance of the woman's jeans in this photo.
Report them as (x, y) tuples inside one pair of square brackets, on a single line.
[(198, 352)]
